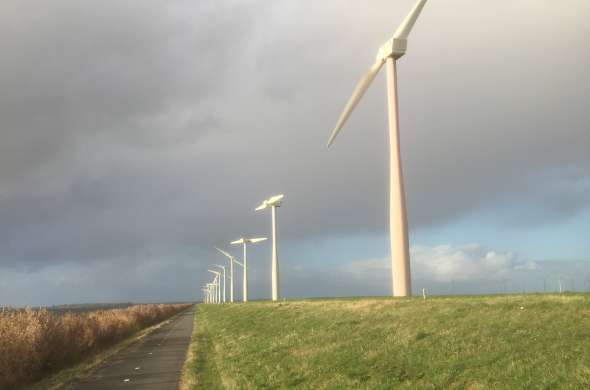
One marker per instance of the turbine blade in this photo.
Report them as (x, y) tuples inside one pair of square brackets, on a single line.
[(358, 93), (238, 262), (224, 253), (404, 29), (254, 240), (274, 199), (261, 207), (240, 241)]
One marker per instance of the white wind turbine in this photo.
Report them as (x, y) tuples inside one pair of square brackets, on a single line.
[(244, 242), (231, 272), (204, 290), (388, 54), (216, 282), (224, 282), (211, 288), (273, 202), (207, 290)]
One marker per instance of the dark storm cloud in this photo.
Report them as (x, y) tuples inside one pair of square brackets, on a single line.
[(128, 125)]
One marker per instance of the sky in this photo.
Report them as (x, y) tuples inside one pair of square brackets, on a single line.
[(138, 135)]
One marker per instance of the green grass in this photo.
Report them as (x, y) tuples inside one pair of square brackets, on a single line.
[(383, 343)]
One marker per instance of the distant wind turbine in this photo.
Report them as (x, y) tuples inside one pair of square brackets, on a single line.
[(216, 282), (244, 242), (211, 287), (231, 273), (224, 282), (388, 54), (273, 202), (241, 265)]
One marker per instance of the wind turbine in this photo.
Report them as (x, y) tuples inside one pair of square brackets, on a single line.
[(273, 202), (231, 273), (244, 242), (388, 54), (242, 265), (224, 282), (216, 281), (211, 288)]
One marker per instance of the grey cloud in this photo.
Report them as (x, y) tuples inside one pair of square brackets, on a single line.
[(132, 124)]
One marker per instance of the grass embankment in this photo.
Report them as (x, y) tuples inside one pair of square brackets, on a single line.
[(500, 342), (36, 343)]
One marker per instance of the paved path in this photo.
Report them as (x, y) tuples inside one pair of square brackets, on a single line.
[(154, 363)]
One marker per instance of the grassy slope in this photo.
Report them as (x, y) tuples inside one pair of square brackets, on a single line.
[(450, 343)]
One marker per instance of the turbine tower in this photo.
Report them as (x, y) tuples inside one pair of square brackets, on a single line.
[(273, 202), (231, 273), (211, 288), (388, 54), (216, 282), (242, 265), (224, 282), (244, 242)]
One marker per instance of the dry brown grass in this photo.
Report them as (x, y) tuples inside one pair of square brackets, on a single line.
[(35, 343)]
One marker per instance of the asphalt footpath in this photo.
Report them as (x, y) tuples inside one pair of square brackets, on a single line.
[(154, 363)]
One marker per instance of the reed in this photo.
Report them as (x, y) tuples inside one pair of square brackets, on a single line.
[(35, 343)]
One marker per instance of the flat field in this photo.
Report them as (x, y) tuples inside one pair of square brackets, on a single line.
[(478, 342)]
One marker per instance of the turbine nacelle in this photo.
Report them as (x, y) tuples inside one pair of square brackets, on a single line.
[(248, 240), (272, 201), (395, 47)]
